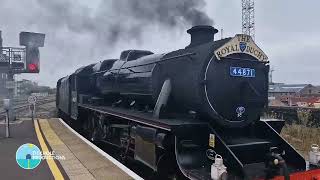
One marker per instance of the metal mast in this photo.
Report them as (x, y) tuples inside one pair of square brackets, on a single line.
[(270, 75), (248, 18)]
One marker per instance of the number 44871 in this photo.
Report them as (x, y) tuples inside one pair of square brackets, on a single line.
[(244, 72)]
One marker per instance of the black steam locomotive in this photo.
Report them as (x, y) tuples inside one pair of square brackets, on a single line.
[(183, 107)]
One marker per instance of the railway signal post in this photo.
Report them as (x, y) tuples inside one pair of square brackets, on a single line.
[(17, 60)]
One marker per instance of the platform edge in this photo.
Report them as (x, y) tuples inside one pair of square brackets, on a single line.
[(114, 161)]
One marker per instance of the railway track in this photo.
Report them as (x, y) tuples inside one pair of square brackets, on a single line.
[(22, 107)]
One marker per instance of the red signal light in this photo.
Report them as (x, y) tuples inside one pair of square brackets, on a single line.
[(32, 67)]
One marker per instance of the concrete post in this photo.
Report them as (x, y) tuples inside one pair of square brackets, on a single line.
[(10, 96), (32, 108), (7, 105), (7, 124)]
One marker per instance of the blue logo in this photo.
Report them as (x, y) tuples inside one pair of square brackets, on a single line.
[(28, 156), (240, 110), (242, 46)]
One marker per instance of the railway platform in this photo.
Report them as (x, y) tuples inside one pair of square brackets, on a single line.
[(65, 153)]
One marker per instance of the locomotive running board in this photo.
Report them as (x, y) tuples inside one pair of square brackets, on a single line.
[(143, 117), (191, 145)]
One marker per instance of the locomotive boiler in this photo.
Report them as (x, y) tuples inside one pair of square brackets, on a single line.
[(176, 112), (231, 90)]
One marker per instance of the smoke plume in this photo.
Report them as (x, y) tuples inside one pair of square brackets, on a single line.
[(124, 19), (82, 32)]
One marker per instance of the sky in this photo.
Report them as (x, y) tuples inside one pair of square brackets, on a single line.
[(83, 32)]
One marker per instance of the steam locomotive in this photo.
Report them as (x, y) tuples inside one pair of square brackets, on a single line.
[(184, 107)]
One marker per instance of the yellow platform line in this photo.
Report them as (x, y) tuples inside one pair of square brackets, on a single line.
[(51, 163)]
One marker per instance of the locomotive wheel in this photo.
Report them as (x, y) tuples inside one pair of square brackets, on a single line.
[(123, 156), (90, 128), (167, 169), (173, 176), (177, 175), (94, 132), (76, 124)]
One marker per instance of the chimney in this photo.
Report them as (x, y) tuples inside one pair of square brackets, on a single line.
[(201, 35)]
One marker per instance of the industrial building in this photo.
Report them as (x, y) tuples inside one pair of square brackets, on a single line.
[(302, 95), (297, 90)]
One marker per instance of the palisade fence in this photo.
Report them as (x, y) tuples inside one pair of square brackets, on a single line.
[(295, 115)]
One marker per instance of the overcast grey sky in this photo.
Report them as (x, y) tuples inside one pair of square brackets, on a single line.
[(287, 30)]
